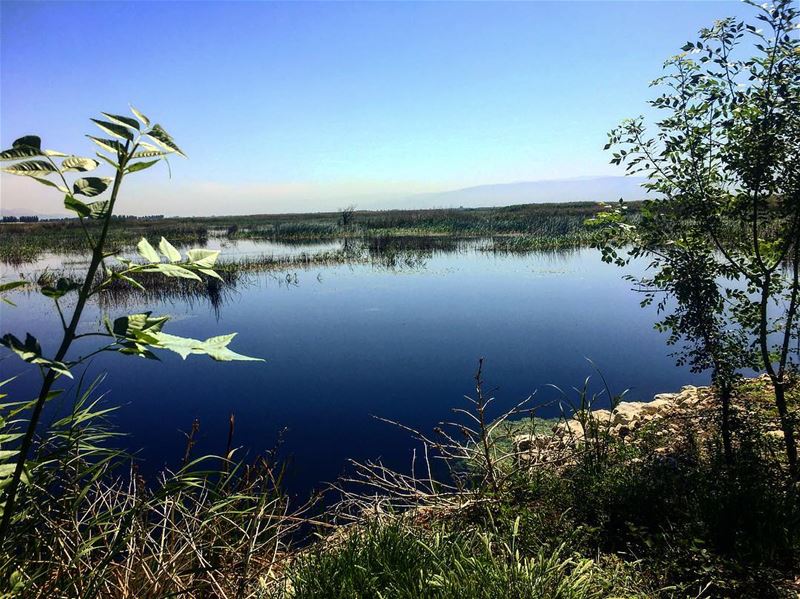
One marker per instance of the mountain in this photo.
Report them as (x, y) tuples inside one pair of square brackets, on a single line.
[(581, 189)]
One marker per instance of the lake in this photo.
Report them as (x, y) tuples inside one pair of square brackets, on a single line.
[(347, 342)]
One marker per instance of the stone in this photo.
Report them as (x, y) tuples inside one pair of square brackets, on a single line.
[(658, 405), (626, 412), (671, 397)]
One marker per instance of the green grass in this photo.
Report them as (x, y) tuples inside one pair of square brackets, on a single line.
[(527, 227)]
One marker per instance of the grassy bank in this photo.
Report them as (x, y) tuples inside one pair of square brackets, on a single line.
[(571, 508), (529, 226)]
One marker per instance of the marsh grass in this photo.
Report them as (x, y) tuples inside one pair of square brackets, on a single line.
[(391, 559), (88, 525), (547, 223), (642, 521), (616, 518)]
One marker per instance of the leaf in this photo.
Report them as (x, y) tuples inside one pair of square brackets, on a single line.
[(141, 117), (94, 210), (12, 285), (98, 210), (203, 258), (113, 164), (54, 154), (114, 129), (169, 251), (149, 154), (172, 270), (109, 145), (30, 351), (140, 166), (147, 251), (31, 168), (29, 141), (75, 205), (91, 186), (78, 164), (60, 289), (163, 139), (8, 287), (210, 272), (116, 275), (125, 121), (20, 152), (133, 325), (214, 347), (49, 183)]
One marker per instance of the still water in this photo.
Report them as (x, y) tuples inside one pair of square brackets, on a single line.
[(347, 342)]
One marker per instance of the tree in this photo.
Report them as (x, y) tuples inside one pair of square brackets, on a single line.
[(723, 170), (134, 145)]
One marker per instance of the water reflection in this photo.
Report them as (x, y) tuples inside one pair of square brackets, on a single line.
[(390, 327)]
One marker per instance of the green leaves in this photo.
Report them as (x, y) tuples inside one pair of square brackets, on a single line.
[(8, 287), (138, 332), (19, 153), (169, 251), (27, 147), (138, 326), (28, 141), (163, 139), (145, 121), (147, 251), (197, 260), (214, 347), (95, 210), (124, 121), (140, 166), (203, 258), (172, 270), (114, 129), (31, 168), (60, 289), (78, 164), (109, 145), (135, 332), (91, 186), (30, 351)]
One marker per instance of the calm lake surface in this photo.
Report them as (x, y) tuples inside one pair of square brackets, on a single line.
[(345, 342)]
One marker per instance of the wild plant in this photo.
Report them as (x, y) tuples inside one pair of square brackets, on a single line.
[(134, 144)]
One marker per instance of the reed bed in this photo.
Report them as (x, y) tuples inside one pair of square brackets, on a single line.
[(90, 525), (26, 242)]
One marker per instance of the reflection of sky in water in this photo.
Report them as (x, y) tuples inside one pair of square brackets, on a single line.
[(350, 341)]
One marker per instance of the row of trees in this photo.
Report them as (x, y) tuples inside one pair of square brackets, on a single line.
[(721, 231), (20, 219)]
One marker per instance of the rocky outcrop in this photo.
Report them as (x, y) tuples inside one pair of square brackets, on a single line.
[(626, 418)]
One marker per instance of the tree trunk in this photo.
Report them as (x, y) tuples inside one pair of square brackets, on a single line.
[(725, 399), (787, 426)]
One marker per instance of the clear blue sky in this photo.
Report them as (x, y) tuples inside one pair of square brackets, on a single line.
[(300, 106)]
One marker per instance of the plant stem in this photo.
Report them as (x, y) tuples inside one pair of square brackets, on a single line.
[(66, 342)]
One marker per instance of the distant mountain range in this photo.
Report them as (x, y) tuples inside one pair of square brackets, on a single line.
[(581, 189)]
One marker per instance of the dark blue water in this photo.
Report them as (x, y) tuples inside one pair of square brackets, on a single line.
[(348, 342)]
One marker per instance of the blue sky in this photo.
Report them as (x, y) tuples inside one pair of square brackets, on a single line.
[(304, 106)]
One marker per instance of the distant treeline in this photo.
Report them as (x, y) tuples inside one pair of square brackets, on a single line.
[(20, 219), (36, 219)]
